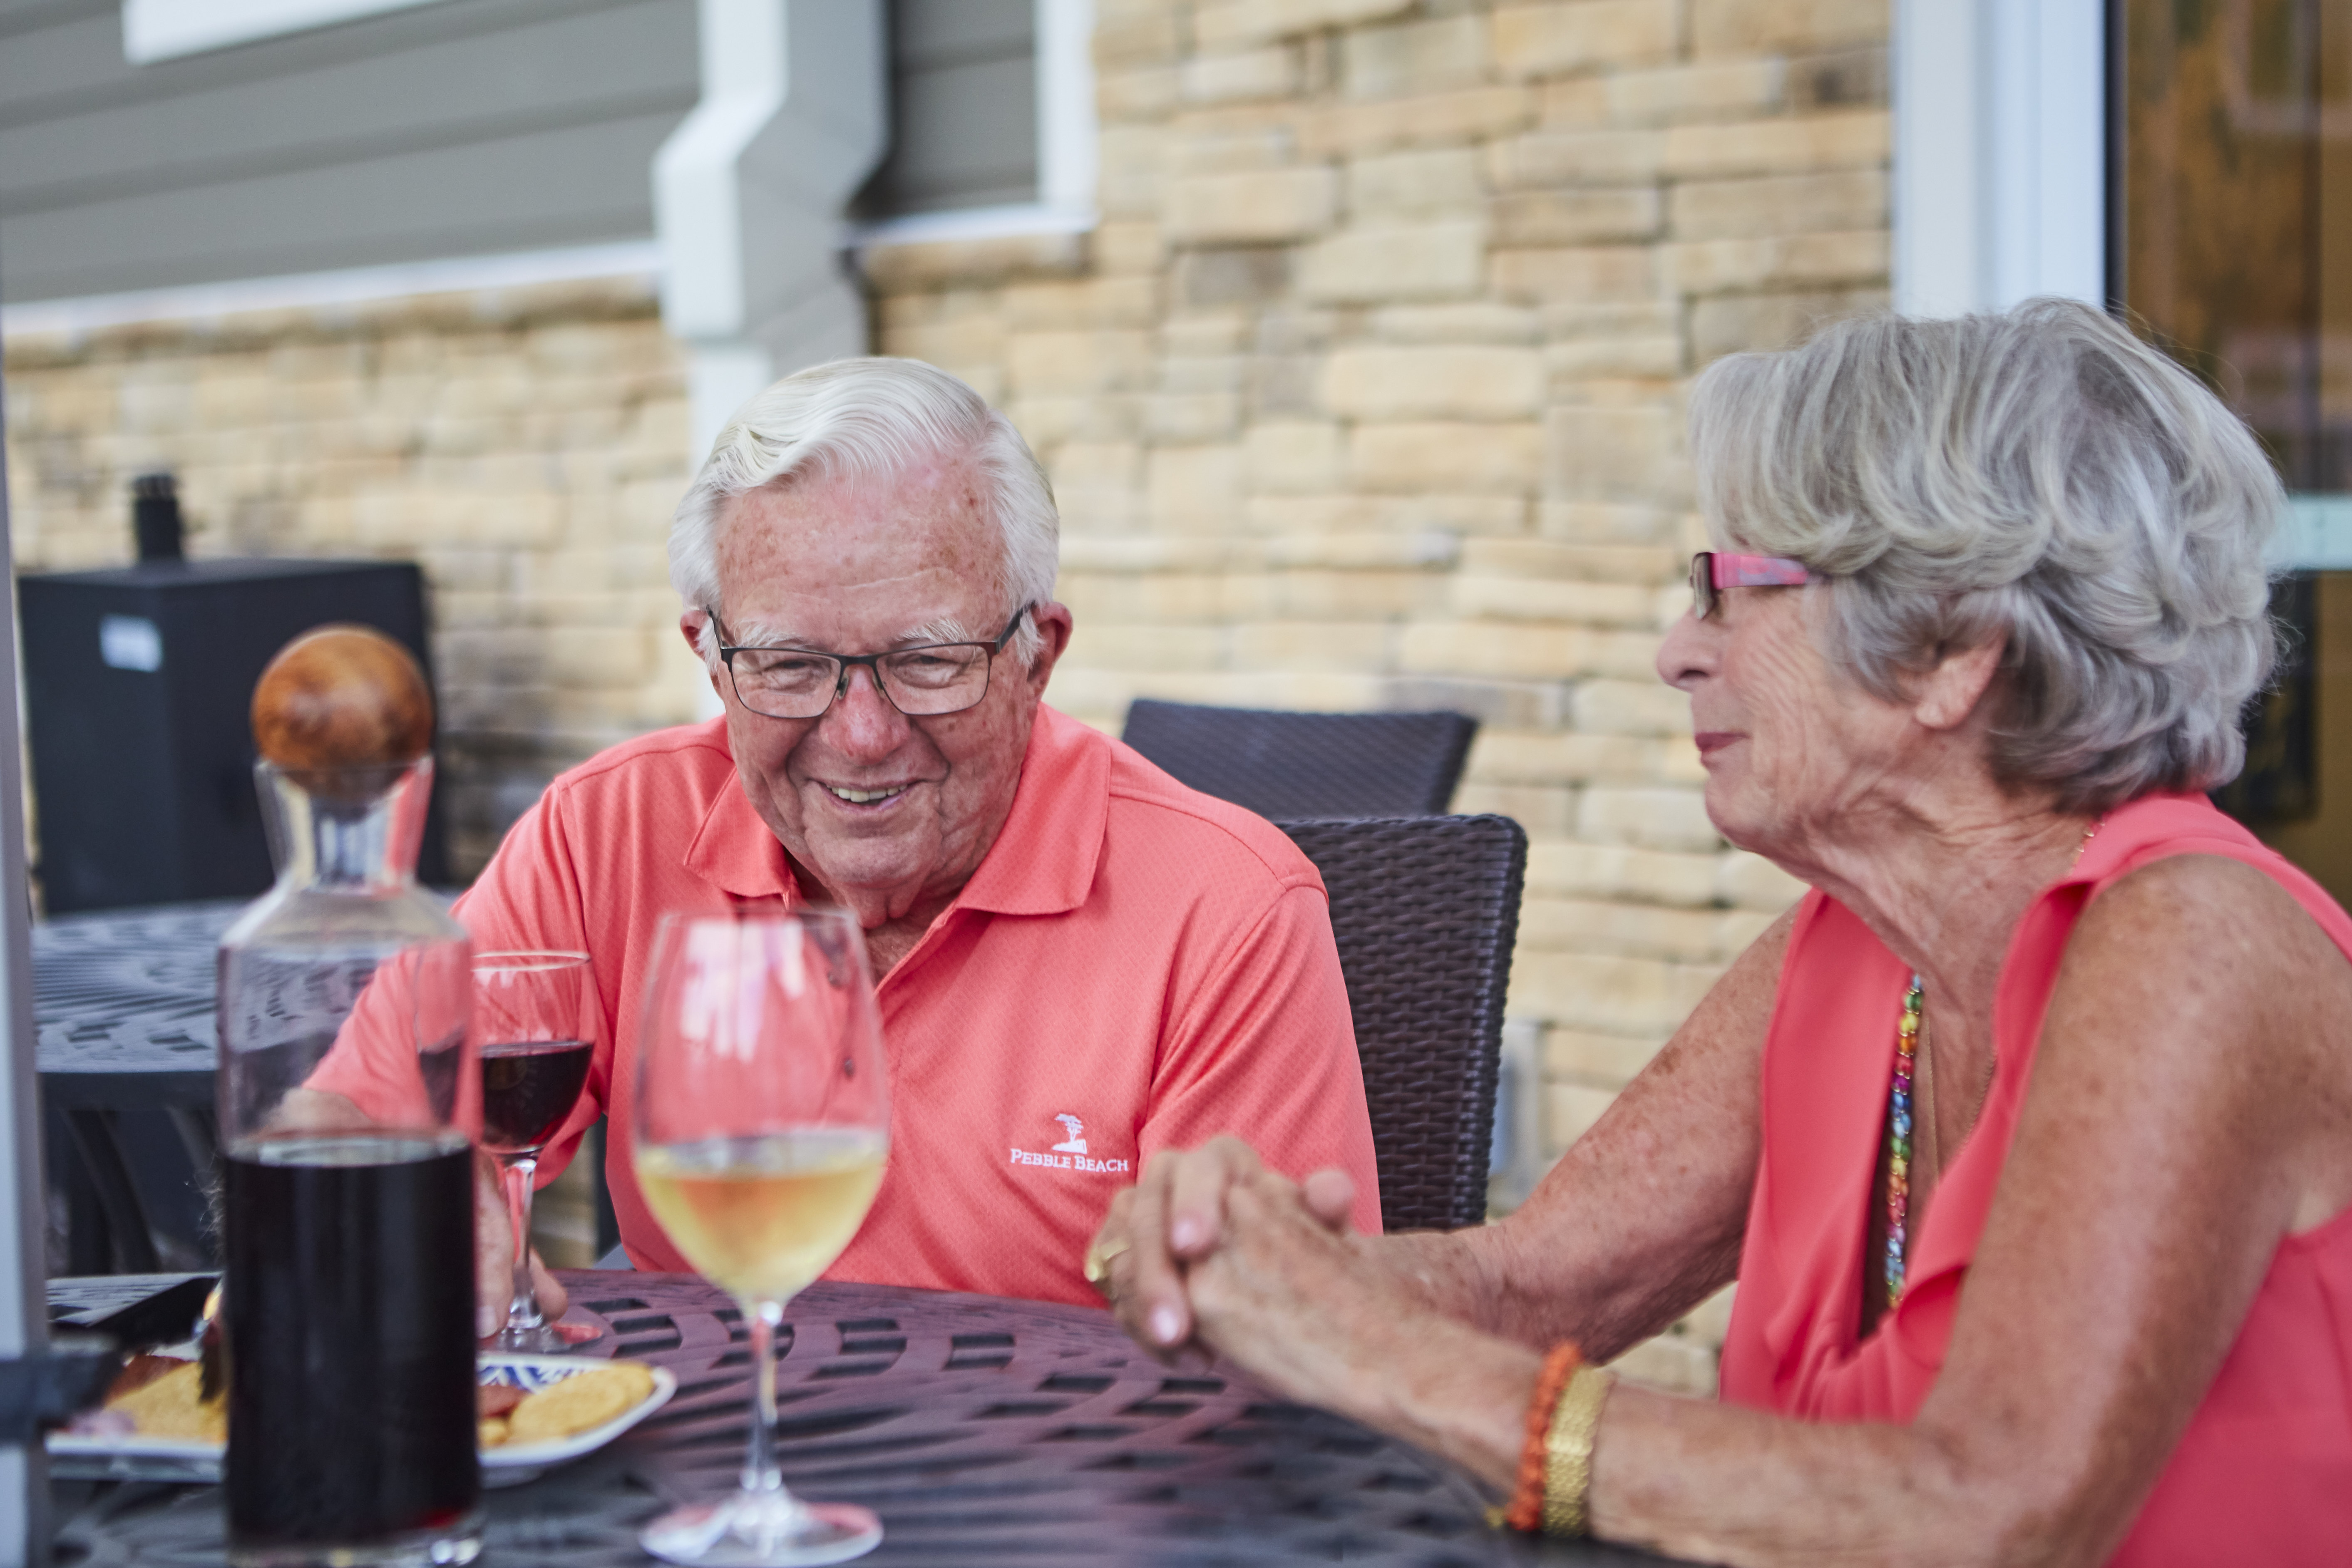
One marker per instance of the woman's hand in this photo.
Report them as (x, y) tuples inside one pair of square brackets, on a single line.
[(1320, 1314), (1174, 1216)]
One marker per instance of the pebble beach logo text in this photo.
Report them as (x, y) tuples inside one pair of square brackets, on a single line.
[(1070, 1153)]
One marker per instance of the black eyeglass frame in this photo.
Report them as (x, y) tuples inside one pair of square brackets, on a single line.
[(873, 663)]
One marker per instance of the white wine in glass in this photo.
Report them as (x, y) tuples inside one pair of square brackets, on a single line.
[(760, 1133), (760, 1218)]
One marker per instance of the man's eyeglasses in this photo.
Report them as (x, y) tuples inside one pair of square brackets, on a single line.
[(1712, 571), (922, 682)]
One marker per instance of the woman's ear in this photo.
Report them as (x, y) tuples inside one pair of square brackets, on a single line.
[(1945, 693)]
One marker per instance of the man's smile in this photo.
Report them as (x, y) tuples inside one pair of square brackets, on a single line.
[(871, 795)]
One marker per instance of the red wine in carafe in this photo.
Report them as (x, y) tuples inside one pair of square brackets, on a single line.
[(349, 1317), (529, 1087)]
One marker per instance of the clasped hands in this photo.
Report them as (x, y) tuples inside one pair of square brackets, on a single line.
[(1210, 1253)]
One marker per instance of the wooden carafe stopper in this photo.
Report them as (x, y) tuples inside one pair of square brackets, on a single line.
[(341, 697)]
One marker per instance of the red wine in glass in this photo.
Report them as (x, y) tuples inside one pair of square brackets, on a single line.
[(535, 1016), (529, 1087)]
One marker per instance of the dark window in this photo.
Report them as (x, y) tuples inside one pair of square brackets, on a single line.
[(2235, 210), (2232, 228)]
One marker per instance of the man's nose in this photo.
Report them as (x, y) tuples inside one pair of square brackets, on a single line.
[(1688, 653), (862, 721)]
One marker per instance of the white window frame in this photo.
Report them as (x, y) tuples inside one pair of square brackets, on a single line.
[(1067, 142), (2001, 159), (156, 30)]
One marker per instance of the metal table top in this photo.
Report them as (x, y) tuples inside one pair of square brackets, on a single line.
[(127, 994), (983, 1430)]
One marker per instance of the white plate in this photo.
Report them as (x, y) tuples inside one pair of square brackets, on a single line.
[(512, 1463), (186, 1460)]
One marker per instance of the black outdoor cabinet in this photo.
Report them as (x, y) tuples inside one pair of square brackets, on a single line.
[(138, 684)]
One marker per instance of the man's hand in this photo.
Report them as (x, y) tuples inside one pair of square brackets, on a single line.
[(1176, 1216), (494, 1257)]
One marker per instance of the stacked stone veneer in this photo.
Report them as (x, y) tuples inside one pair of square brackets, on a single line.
[(1368, 392), (524, 447)]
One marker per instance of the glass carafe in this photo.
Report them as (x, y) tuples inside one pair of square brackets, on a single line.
[(347, 1098)]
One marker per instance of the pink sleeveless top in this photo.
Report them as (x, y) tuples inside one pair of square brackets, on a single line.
[(2264, 1472)]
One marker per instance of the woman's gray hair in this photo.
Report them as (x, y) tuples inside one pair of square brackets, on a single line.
[(2040, 475), (873, 419)]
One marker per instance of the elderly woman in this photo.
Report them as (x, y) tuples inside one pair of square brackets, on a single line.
[(2027, 1135)]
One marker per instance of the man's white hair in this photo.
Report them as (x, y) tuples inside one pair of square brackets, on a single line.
[(873, 419)]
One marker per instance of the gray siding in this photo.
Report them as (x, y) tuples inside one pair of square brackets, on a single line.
[(964, 107), (466, 128)]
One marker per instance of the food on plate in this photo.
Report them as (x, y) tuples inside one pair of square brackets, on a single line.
[(162, 1396), (172, 1406), (579, 1403), (139, 1371)]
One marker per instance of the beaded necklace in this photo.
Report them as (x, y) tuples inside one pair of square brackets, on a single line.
[(1898, 1115), (1898, 1137)]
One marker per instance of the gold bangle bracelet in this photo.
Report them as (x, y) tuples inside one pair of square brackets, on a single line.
[(1568, 1452)]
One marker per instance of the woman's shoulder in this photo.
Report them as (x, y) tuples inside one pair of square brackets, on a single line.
[(2226, 993), (2186, 863), (2195, 898)]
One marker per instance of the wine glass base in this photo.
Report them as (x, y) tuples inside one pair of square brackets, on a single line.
[(748, 1531), (540, 1339)]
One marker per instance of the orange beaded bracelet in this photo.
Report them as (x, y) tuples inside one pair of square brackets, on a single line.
[(1527, 1510)]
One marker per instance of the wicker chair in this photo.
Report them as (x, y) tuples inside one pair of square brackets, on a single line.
[(1299, 765), (1425, 910)]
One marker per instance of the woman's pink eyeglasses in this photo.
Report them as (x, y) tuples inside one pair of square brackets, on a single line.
[(1713, 570)]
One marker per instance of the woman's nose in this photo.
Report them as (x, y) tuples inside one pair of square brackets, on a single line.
[(1688, 653)]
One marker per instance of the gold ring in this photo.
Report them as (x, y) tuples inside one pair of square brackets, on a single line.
[(1096, 1268)]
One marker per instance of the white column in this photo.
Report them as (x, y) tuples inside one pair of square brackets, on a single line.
[(748, 194), (2000, 152), (24, 1313)]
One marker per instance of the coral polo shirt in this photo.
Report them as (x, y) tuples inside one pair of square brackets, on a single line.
[(1134, 966)]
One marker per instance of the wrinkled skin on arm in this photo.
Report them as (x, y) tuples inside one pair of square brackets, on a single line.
[(2137, 1214)]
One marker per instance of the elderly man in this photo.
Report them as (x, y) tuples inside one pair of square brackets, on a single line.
[(1080, 961)]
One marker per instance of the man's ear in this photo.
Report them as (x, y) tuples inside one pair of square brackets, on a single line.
[(1054, 623), (1945, 693), (689, 626)]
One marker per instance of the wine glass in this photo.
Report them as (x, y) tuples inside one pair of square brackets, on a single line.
[(535, 1016), (760, 1127)]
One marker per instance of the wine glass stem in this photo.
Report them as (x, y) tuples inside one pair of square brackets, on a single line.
[(759, 1473), (523, 1311)]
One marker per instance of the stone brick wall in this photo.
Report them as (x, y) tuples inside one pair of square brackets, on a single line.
[(524, 447), (1368, 393)]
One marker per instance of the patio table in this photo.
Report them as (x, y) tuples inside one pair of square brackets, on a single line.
[(983, 1430), (123, 1028)]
